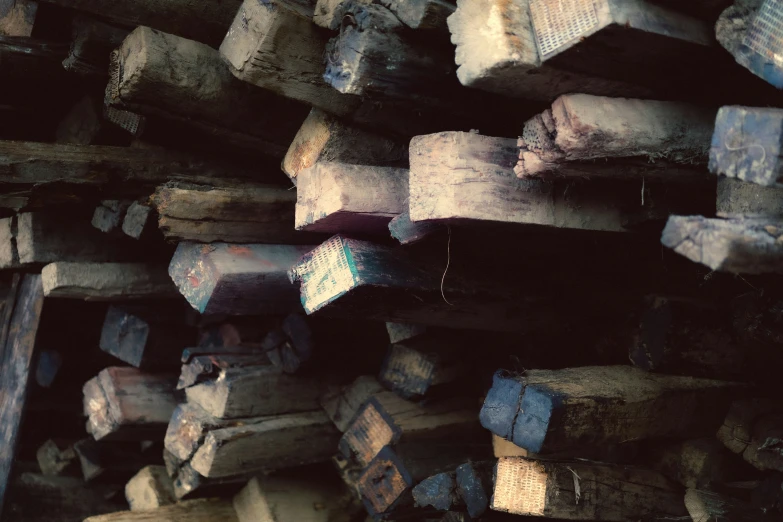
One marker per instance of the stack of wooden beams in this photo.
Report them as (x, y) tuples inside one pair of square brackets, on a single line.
[(256, 260)]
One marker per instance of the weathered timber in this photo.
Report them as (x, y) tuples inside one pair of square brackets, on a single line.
[(150, 489), (497, 52), (747, 143), (748, 30), (138, 222), (583, 491), (300, 497), (100, 165), (399, 332), (437, 491), (549, 411), (342, 198), (92, 43), (34, 239), (126, 404), (323, 137), (146, 336), (585, 127), (206, 23), (504, 448), (411, 369), (22, 316), (17, 17), (698, 463), (416, 14), (54, 461), (736, 432), (465, 489), (173, 77), (109, 214), (247, 213), (458, 176), (199, 510), (275, 443), (378, 283), (107, 281), (388, 420), (190, 484), (112, 462), (236, 279), (740, 199), (200, 365), (245, 386), (740, 246), (407, 232), (342, 403), (707, 506)]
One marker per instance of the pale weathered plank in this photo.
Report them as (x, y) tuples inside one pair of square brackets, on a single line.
[(107, 281)]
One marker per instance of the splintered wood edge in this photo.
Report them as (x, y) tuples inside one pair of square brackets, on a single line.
[(368, 434), (382, 483), (520, 487), (308, 143)]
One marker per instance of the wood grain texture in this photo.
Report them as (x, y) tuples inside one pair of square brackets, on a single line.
[(342, 403), (20, 329), (548, 411), (740, 246), (417, 14), (17, 17), (201, 510), (150, 489), (741, 199), (236, 279), (107, 281)]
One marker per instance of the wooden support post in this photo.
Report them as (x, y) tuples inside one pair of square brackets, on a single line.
[(275, 443), (52, 460), (323, 137), (109, 214), (199, 510), (107, 281), (583, 491), (375, 284), (341, 198), (342, 403), (150, 489), (584, 127), (457, 176), (17, 17), (245, 386), (747, 30), (138, 222), (388, 420), (126, 404), (746, 144), (169, 76), (740, 246), (145, 336), (18, 331), (740, 199), (245, 214), (534, 411), (298, 497), (411, 369), (236, 279), (91, 46)]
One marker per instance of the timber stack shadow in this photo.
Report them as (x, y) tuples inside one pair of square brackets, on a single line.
[(391, 260)]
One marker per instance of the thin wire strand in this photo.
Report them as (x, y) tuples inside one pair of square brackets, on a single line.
[(448, 262)]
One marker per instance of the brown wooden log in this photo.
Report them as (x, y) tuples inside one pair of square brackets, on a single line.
[(550, 411), (583, 491), (342, 403), (173, 77), (107, 281), (323, 137), (740, 246), (341, 198), (126, 404), (200, 510), (150, 489)]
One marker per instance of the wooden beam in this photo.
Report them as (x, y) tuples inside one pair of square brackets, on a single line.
[(275, 443), (736, 432), (236, 279), (376, 284), (438, 491), (244, 386), (533, 411), (400, 332), (188, 427), (92, 43), (204, 23), (199, 510), (342, 403), (21, 318), (504, 448), (740, 246), (138, 222), (746, 143), (740, 199), (17, 17), (707, 506), (245, 213), (126, 404), (425, 15), (173, 77), (54, 461), (190, 484), (458, 176), (341, 198), (410, 369), (698, 463), (109, 214), (388, 420), (150, 489), (323, 137), (583, 491), (107, 281), (465, 489), (407, 232), (584, 127), (496, 51)]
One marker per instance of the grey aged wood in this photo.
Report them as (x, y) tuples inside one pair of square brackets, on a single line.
[(107, 281), (149, 489), (342, 403), (583, 491), (341, 198), (740, 246), (707, 506), (109, 214), (17, 17), (417, 14), (92, 43), (407, 232), (411, 369), (54, 461), (742, 199), (199, 510)]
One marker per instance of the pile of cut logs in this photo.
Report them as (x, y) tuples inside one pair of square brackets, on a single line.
[(189, 334)]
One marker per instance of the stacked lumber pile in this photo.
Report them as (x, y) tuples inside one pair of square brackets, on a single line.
[(391, 260)]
